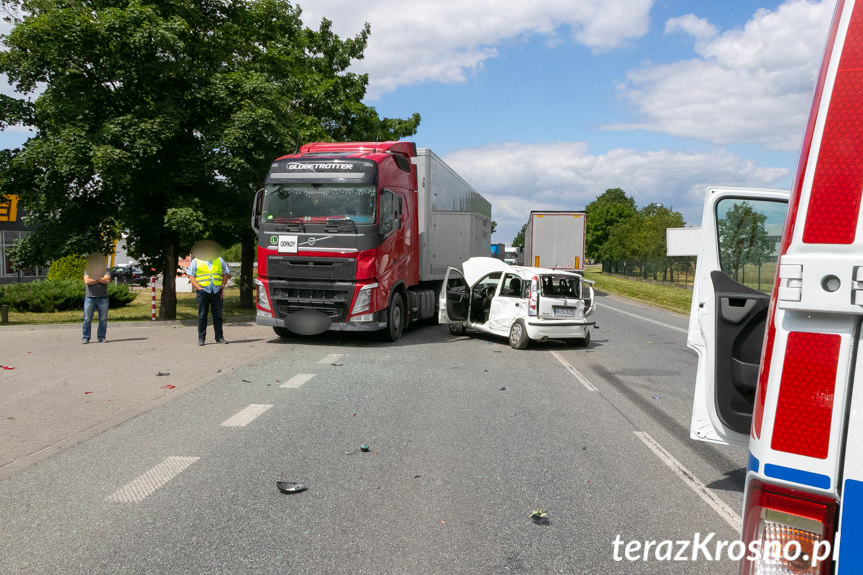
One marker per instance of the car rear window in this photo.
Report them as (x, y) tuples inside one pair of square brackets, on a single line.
[(559, 286)]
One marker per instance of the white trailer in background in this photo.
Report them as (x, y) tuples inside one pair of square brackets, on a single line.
[(555, 240)]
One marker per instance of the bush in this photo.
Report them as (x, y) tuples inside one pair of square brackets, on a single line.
[(67, 268), (57, 295)]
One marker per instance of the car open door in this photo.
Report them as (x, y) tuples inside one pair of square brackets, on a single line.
[(741, 232), (454, 303)]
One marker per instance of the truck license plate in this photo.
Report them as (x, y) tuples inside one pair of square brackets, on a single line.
[(564, 311)]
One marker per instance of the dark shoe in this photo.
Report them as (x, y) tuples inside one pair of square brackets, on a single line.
[(200, 342), (103, 340), (85, 340), (221, 340)]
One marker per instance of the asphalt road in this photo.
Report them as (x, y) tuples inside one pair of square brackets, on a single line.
[(467, 437)]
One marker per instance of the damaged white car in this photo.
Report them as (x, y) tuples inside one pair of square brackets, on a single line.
[(522, 303)]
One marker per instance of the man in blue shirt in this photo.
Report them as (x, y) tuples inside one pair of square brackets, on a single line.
[(208, 275)]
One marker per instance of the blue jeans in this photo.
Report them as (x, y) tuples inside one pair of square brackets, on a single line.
[(92, 304), (207, 301)]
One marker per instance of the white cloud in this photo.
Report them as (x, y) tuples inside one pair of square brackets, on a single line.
[(447, 40), (696, 27), (749, 85), (517, 178)]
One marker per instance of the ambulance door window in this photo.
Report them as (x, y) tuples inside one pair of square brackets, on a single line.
[(748, 232)]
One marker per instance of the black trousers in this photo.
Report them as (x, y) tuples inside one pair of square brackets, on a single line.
[(207, 301)]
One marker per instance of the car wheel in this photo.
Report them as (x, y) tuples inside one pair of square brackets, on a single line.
[(282, 332), (395, 319), (518, 335), (457, 329), (583, 341)]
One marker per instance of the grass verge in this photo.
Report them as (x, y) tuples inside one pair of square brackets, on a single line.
[(667, 297), (138, 310)]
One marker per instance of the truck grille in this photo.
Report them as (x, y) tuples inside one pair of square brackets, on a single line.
[(333, 301)]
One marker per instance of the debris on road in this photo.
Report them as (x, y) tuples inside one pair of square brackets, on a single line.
[(245, 381), (169, 386), (290, 487), (161, 374), (337, 364), (502, 389), (657, 397), (7, 366), (539, 513), (364, 447), (87, 392)]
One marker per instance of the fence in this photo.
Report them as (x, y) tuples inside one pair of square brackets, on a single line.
[(676, 271)]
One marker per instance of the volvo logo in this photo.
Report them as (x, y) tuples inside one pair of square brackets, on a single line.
[(311, 241)]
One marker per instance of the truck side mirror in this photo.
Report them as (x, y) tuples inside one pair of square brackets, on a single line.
[(256, 211)]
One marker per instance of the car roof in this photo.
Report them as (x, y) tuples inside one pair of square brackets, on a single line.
[(478, 267)]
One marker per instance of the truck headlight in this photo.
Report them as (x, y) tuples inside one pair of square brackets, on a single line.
[(364, 298), (263, 300)]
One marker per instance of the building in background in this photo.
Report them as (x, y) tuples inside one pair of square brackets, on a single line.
[(12, 228)]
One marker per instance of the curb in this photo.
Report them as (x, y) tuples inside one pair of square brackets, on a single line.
[(116, 324)]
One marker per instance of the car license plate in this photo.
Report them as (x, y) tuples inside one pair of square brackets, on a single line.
[(564, 311)]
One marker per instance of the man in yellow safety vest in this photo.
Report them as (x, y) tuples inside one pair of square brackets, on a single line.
[(208, 274)]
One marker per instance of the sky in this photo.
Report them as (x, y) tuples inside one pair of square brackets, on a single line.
[(544, 105)]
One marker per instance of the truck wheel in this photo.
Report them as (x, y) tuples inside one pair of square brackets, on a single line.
[(457, 329), (395, 318), (518, 335), (282, 332)]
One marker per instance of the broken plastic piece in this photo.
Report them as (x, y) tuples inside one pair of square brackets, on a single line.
[(87, 392), (290, 486), (337, 364), (8, 366), (364, 447), (169, 386), (657, 397), (161, 373), (539, 513)]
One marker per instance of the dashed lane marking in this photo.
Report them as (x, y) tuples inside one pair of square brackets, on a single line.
[(138, 489), (702, 490), (333, 357), (575, 373), (246, 416), (298, 380)]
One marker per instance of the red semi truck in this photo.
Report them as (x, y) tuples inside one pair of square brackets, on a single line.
[(357, 236)]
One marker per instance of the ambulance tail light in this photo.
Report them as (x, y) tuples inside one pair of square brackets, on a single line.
[(787, 532), (533, 300), (263, 300)]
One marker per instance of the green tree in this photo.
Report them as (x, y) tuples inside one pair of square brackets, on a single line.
[(609, 209), (160, 119), (641, 238), (518, 240), (493, 226), (743, 239)]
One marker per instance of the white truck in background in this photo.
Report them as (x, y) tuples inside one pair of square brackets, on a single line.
[(555, 240)]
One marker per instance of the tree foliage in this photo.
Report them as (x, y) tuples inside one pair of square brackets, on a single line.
[(609, 209), (160, 119), (518, 240)]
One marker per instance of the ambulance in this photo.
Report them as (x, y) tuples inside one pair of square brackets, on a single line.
[(777, 367)]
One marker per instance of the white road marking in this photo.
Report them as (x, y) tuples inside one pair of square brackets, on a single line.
[(702, 490), (577, 374), (138, 489), (298, 380), (641, 317), (246, 416), (333, 357)]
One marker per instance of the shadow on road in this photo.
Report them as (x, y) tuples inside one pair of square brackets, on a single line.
[(735, 480)]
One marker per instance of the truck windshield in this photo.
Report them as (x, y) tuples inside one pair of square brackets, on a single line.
[(319, 202)]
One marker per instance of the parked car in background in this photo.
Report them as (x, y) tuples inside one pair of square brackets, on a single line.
[(522, 303), (128, 275)]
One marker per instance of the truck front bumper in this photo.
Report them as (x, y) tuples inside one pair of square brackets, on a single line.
[(337, 326)]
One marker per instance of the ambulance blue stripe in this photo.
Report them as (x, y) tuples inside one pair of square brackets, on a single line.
[(797, 476), (851, 552), (754, 464)]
